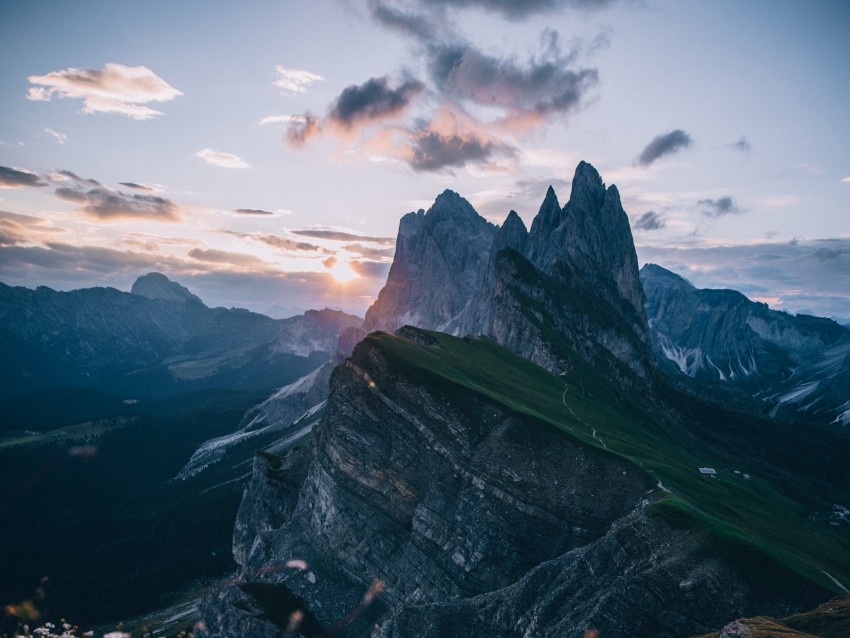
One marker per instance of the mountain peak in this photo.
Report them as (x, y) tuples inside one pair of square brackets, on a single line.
[(155, 285), (658, 273)]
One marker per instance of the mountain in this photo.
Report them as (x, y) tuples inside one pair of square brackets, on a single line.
[(572, 280), (155, 285), (471, 493), (159, 339), (536, 477), (439, 260), (796, 366), (278, 421)]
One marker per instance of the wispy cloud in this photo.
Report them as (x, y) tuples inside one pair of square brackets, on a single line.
[(368, 251), (61, 138), (141, 187), (281, 119), (339, 235), (452, 139), (664, 144), (290, 245), (220, 158), (252, 211), (513, 9), (546, 84), (19, 178), (114, 89), (846, 180), (214, 255), (743, 145), (292, 81), (101, 202), (650, 220), (719, 207), (302, 129), (18, 229)]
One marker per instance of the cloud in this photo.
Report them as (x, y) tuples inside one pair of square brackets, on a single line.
[(373, 100), (13, 227), (114, 89), (282, 119), (252, 211), (846, 180), (743, 145), (141, 187), (99, 201), (433, 151), (215, 256), (367, 251), (287, 244), (61, 138), (452, 138), (292, 81), (219, 158), (19, 178), (719, 207), (302, 129), (513, 9), (542, 86), (664, 144), (338, 235), (373, 269), (416, 25), (650, 220)]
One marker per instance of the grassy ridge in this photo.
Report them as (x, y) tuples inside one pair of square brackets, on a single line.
[(758, 520)]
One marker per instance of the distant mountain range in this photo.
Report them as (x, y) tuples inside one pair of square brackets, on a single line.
[(795, 366), (158, 339)]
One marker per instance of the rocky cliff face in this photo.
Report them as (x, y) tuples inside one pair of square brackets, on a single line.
[(155, 285), (797, 366), (474, 519), (572, 280), (439, 259)]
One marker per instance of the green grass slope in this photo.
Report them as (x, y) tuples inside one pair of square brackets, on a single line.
[(774, 523)]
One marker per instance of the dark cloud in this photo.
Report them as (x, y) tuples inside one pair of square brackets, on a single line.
[(138, 187), (57, 177), (338, 235), (650, 220), (432, 151), (417, 25), (367, 251), (664, 144), (372, 269), (252, 211), (718, 207), (519, 9), (17, 178), (301, 129), (373, 100), (743, 145), (215, 256), (104, 203), (543, 86)]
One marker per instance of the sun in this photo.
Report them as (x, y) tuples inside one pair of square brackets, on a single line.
[(342, 271)]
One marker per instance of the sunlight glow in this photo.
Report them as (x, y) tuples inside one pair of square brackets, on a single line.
[(342, 271)]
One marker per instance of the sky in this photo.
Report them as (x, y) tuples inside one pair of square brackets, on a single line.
[(262, 152)]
